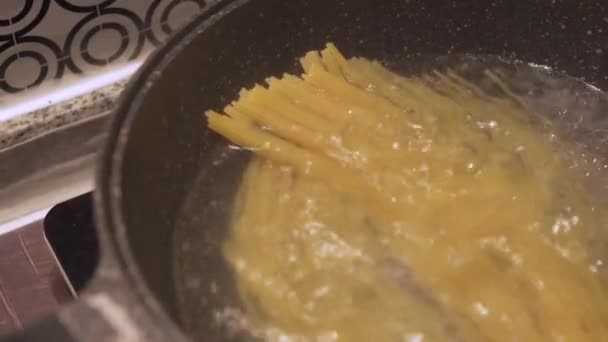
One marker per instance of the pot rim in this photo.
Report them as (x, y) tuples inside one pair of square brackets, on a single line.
[(112, 228)]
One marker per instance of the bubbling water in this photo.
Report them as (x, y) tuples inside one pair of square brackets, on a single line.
[(568, 113)]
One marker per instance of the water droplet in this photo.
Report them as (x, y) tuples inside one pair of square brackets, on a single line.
[(213, 287), (308, 167), (193, 283), (417, 337), (336, 140), (481, 309)]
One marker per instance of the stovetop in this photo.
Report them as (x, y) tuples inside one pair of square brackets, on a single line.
[(46, 263), (70, 232)]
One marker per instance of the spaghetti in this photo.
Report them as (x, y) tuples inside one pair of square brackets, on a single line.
[(391, 208)]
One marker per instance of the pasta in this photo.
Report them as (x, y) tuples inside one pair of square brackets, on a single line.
[(381, 207)]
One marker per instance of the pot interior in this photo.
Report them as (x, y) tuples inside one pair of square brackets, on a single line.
[(165, 184)]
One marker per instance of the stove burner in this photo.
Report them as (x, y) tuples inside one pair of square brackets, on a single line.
[(70, 231)]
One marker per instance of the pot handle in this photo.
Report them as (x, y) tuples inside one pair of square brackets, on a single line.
[(103, 316)]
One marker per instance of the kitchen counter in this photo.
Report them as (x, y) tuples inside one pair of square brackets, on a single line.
[(43, 121)]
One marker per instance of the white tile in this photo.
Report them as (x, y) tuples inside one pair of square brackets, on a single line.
[(57, 24), (11, 8), (162, 17), (139, 7), (106, 27)]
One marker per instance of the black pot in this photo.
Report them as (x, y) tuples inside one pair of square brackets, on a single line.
[(158, 140)]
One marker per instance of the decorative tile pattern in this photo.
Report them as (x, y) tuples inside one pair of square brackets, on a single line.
[(42, 40)]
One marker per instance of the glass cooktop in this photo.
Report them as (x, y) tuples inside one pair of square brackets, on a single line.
[(70, 231)]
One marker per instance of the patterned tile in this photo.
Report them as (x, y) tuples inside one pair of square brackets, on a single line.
[(42, 40)]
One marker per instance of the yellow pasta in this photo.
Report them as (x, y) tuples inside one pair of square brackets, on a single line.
[(381, 207)]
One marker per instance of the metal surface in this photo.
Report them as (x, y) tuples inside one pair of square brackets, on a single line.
[(49, 169)]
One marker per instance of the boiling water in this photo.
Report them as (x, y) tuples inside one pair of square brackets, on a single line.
[(571, 115)]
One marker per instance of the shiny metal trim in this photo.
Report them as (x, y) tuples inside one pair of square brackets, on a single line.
[(51, 168)]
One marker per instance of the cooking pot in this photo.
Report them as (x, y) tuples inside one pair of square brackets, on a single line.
[(158, 140)]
